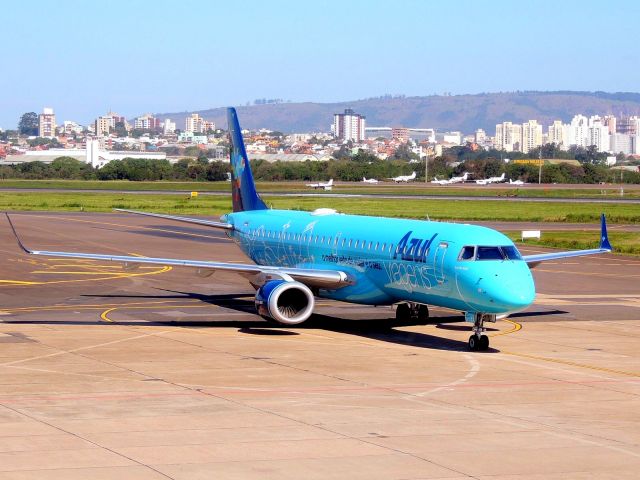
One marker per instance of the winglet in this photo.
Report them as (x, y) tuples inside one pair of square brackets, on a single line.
[(20, 244), (604, 237)]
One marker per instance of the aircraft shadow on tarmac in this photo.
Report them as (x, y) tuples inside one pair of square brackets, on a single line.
[(381, 329)]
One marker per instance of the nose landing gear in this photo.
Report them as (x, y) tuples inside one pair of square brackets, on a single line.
[(479, 341)]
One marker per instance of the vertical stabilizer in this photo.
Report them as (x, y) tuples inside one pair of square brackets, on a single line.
[(243, 189)]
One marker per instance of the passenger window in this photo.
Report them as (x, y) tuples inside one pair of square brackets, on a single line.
[(356, 244), (370, 245), (468, 253), (376, 247), (489, 253)]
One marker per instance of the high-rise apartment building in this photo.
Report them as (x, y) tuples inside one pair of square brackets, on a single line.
[(194, 123), (47, 123), (349, 126), (168, 126), (508, 136), (105, 123), (577, 132), (147, 122), (531, 136), (399, 133), (556, 133), (599, 134)]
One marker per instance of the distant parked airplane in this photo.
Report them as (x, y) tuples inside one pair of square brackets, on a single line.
[(487, 181), (404, 178), (461, 179), (516, 182), (369, 180), (440, 182), (324, 186)]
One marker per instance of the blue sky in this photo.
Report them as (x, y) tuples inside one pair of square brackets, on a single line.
[(83, 57)]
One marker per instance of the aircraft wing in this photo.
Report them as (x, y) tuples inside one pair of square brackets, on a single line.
[(605, 247), (197, 221), (330, 279)]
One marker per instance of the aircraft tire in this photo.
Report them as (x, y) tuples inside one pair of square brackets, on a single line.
[(423, 314), (483, 344), (473, 343), (403, 312)]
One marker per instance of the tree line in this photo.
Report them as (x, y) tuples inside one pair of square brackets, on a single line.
[(347, 170)]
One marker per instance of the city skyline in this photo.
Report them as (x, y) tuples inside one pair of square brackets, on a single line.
[(165, 59)]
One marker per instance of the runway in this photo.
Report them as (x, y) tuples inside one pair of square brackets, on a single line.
[(157, 373), (313, 193)]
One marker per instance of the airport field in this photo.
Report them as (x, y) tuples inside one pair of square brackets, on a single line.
[(405, 208), (456, 210), (414, 188), (158, 373)]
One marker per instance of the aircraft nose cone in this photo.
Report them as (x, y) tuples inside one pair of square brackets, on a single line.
[(513, 295)]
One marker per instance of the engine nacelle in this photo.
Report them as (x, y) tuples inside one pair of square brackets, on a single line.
[(285, 302)]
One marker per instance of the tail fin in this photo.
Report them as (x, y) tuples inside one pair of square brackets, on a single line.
[(604, 237), (330, 183), (243, 189)]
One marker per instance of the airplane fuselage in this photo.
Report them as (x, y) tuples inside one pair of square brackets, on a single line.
[(391, 260)]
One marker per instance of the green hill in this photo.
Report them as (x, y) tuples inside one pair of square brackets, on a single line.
[(455, 112)]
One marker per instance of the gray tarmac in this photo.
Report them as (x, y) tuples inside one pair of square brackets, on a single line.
[(157, 373), (607, 197)]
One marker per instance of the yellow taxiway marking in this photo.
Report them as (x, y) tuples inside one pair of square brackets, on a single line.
[(572, 364), (104, 317), (98, 306), (594, 274), (107, 276), (594, 295), (515, 326)]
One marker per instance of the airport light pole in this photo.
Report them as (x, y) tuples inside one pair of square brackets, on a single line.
[(540, 167), (426, 168)]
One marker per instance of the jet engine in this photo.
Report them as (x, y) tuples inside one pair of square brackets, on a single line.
[(285, 302)]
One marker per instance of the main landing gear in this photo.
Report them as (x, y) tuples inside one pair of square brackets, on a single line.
[(479, 341), (412, 312)]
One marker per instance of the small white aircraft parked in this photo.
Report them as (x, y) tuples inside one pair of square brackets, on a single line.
[(516, 182), (487, 181), (461, 179), (440, 182), (324, 186), (369, 180), (404, 178)]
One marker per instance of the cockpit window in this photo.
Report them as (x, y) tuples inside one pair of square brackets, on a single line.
[(511, 253), (468, 253), (489, 253)]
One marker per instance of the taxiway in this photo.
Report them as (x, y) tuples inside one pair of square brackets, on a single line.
[(157, 373)]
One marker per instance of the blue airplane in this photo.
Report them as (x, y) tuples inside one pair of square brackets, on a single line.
[(368, 260)]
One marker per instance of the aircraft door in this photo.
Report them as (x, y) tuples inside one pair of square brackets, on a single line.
[(440, 265)]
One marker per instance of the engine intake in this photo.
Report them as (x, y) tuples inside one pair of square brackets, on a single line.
[(285, 302)]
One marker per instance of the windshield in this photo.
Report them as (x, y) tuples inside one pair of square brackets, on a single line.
[(472, 252), (489, 253), (511, 252)]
